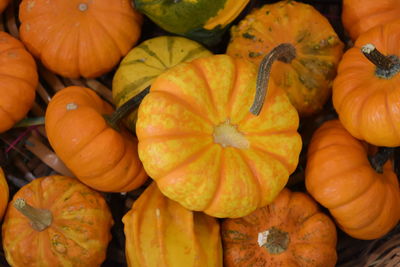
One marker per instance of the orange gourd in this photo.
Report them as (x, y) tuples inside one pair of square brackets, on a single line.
[(364, 202), (18, 81), (78, 37), (161, 233), (307, 76), (3, 5), (3, 194), (99, 156), (205, 150), (360, 16), (366, 91), (291, 231), (56, 221)]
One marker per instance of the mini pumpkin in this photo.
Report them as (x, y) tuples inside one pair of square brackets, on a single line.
[(366, 91), (205, 150), (201, 20), (56, 221), (145, 62), (316, 50), (18, 81), (3, 193), (99, 156), (160, 232), (360, 16), (76, 38), (290, 231), (364, 201)]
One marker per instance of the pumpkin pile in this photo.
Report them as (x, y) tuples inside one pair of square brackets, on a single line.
[(235, 133)]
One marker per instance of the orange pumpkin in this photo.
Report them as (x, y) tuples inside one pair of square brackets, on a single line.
[(366, 91), (307, 76), (160, 232), (18, 81), (78, 37), (291, 231), (3, 194), (56, 221), (3, 5), (364, 203), (205, 150), (360, 16), (99, 156)]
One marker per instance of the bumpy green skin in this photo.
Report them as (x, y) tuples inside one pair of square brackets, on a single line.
[(184, 17)]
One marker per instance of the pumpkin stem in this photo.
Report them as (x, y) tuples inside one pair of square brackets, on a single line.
[(376, 57), (40, 219), (379, 159), (114, 118), (284, 52), (29, 122), (274, 240)]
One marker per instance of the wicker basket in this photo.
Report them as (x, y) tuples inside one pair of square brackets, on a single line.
[(25, 153)]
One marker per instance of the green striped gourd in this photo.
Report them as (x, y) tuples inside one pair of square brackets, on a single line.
[(202, 20), (148, 60)]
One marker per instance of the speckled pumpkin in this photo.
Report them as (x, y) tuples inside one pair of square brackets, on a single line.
[(3, 193), (145, 62), (203, 147), (161, 233), (308, 77), (18, 81), (59, 222), (291, 231)]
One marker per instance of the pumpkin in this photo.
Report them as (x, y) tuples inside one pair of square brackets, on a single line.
[(100, 157), (205, 150), (364, 202), (3, 4), (291, 231), (160, 232), (18, 81), (201, 20), (366, 91), (360, 16), (145, 62), (307, 76), (76, 38), (56, 221), (3, 194)]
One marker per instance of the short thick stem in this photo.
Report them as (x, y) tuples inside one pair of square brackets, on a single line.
[(380, 158), (377, 58), (40, 219), (284, 52), (274, 240), (114, 118)]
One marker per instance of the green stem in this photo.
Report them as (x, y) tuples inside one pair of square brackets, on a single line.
[(114, 118), (284, 52), (40, 219), (380, 158), (29, 122)]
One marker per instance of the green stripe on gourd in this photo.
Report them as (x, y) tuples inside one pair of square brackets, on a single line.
[(201, 20), (148, 60)]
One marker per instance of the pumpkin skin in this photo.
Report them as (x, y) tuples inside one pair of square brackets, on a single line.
[(201, 20), (3, 194), (3, 5), (307, 79), (98, 155), (79, 232), (76, 38), (205, 150), (160, 232), (18, 81), (145, 62), (364, 203), (295, 217), (368, 105), (360, 16)]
